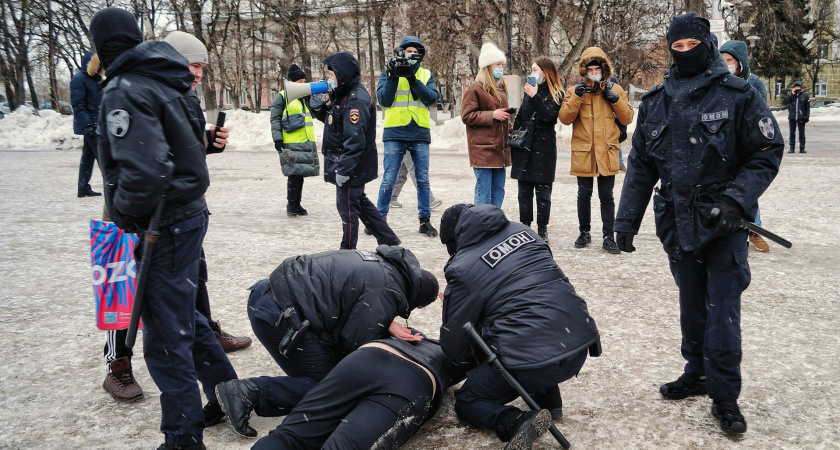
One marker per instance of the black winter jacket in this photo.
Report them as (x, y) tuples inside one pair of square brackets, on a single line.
[(350, 297), (799, 107), (151, 138), (504, 280), (539, 164), (349, 146), (85, 96), (701, 138)]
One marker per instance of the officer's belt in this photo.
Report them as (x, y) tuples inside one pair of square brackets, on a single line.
[(289, 302)]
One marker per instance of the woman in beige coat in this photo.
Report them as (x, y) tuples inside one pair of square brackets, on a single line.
[(593, 107), (484, 112)]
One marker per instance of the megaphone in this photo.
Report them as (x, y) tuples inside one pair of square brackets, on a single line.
[(297, 90)]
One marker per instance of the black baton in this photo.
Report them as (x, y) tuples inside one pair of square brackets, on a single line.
[(151, 237), (757, 230), (494, 361)]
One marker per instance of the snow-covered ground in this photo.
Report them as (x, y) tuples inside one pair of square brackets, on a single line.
[(51, 365)]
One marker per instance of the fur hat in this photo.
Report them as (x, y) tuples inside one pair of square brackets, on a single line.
[(490, 54), (188, 46), (295, 73)]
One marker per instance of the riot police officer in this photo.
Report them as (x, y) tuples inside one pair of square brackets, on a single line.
[(710, 141)]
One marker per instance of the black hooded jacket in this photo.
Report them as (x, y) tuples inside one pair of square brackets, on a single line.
[(505, 282), (539, 164), (350, 297), (151, 138), (349, 146), (701, 138)]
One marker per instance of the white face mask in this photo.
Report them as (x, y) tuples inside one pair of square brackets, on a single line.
[(596, 78), (411, 58), (732, 68)]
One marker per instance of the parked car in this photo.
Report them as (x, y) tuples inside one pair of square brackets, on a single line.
[(63, 107), (821, 103)]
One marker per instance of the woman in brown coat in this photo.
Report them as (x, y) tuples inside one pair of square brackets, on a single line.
[(484, 112), (593, 106)]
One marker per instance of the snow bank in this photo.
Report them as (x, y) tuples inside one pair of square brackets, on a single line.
[(24, 130)]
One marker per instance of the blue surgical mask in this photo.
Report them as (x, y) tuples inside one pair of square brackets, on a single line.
[(497, 73), (331, 84)]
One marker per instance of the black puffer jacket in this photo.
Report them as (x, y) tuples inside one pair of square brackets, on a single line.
[(799, 108), (539, 164), (151, 138), (504, 281), (350, 297)]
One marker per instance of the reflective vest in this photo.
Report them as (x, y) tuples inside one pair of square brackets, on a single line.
[(303, 134), (405, 108)]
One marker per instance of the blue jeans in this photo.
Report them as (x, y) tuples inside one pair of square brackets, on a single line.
[(489, 186), (394, 152), (757, 215)]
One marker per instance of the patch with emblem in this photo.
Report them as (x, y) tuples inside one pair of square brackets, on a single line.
[(765, 125), (709, 117), (118, 122), (501, 250), (354, 115), (330, 119), (366, 255)]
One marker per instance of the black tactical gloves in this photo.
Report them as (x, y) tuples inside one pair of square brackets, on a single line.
[(625, 241), (729, 218), (389, 68), (609, 95), (580, 88)]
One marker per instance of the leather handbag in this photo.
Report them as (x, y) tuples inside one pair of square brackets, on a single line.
[(522, 138)]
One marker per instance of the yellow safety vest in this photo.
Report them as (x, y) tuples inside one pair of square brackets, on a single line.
[(305, 134), (405, 108)]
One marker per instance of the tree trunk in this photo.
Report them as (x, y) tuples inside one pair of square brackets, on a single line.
[(571, 59)]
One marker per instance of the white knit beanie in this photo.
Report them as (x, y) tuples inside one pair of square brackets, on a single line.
[(188, 46), (490, 54)]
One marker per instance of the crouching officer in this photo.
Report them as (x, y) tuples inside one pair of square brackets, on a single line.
[(350, 158), (151, 150), (316, 309), (502, 278), (709, 140), (376, 397)]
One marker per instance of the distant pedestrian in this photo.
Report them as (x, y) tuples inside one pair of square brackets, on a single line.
[(799, 113), (85, 96)]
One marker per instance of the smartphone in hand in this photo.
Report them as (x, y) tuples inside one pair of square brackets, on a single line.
[(220, 122), (532, 81), (511, 111)]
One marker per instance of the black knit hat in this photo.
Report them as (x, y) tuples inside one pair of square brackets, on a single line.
[(797, 83), (428, 289), (448, 221), (689, 25), (114, 31), (295, 73)]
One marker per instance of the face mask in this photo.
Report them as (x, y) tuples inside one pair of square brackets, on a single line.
[(595, 78), (412, 58), (497, 73), (692, 62), (540, 79), (331, 84), (732, 68)]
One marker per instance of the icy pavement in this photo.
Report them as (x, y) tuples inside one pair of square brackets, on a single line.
[(51, 365)]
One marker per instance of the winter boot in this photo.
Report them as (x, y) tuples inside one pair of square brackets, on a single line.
[(758, 242), (727, 412), (791, 150), (291, 209), (522, 428), (368, 232), (552, 401), (802, 150), (685, 386), (213, 414), (120, 382), (610, 246), (427, 228), (229, 342), (542, 231), (583, 239), (238, 398), (196, 446), (301, 211)]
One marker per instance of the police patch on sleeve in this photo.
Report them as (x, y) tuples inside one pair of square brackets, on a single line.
[(118, 122), (354, 116), (767, 128)]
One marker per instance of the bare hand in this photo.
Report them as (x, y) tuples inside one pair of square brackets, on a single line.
[(220, 135), (403, 333), (530, 90), (501, 114)]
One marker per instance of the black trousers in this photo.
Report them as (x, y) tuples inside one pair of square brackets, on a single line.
[(89, 156), (793, 126), (352, 205), (294, 188), (526, 202), (372, 399), (584, 203)]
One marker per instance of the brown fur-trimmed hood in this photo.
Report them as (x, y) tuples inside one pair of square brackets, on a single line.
[(94, 67), (595, 54)]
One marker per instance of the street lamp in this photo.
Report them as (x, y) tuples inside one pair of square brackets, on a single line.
[(752, 40)]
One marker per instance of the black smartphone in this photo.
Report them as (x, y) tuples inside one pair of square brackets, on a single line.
[(220, 119), (511, 110), (220, 122)]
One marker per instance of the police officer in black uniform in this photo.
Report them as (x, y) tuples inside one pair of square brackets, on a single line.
[(710, 141), (377, 397), (350, 158), (502, 278), (316, 309), (151, 150)]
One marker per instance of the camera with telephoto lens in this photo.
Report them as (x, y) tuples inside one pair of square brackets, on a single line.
[(403, 65)]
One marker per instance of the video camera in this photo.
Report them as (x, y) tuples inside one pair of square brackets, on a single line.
[(403, 65)]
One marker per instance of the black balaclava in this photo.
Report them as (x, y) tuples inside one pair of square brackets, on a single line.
[(696, 60), (448, 221), (114, 31)]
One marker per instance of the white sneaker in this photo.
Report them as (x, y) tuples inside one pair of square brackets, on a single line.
[(435, 204), (395, 204)]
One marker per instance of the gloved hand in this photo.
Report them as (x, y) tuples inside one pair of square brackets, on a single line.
[(90, 131), (609, 95), (278, 145), (341, 179), (625, 242), (580, 88), (389, 68), (728, 218)]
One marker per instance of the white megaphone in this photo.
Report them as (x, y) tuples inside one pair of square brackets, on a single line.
[(298, 90)]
